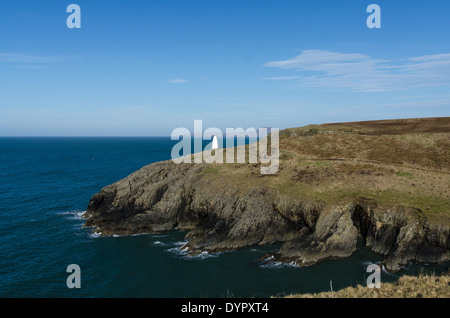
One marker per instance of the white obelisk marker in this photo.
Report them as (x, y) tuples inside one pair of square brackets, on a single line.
[(215, 144)]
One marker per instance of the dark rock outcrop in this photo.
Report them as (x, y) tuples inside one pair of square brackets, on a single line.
[(164, 196)]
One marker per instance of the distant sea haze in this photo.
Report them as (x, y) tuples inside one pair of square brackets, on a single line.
[(45, 187)]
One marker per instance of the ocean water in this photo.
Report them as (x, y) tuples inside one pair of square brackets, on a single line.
[(45, 187)]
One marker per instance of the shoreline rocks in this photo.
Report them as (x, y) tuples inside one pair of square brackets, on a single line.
[(163, 196)]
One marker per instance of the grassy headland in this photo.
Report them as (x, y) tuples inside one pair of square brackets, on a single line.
[(396, 162)]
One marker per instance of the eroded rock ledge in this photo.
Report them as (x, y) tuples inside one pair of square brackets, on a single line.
[(164, 196)]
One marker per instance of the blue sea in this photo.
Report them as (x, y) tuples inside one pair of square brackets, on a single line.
[(45, 187)]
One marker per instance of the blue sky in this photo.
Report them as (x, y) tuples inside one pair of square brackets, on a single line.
[(144, 68)]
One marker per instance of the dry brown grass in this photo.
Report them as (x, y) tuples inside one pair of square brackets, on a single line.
[(406, 287), (429, 152), (397, 126), (339, 162)]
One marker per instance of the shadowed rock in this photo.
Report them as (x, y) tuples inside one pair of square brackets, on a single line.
[(164, 196)]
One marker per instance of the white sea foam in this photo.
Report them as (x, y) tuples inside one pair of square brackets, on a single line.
[(95, 235), (176, 250), (140, 234), (159, 235), (278, 265), (181, 250), (181, 243), (384, 270), (159, 243), (73, 215), (269, 263), (202, 255)]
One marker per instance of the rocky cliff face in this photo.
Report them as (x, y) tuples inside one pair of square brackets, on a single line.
[(164, 196)]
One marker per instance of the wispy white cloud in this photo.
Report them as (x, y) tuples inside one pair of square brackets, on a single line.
[(26, 61), (26, 58), (178, 81), (281, 78), (360, 72)]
